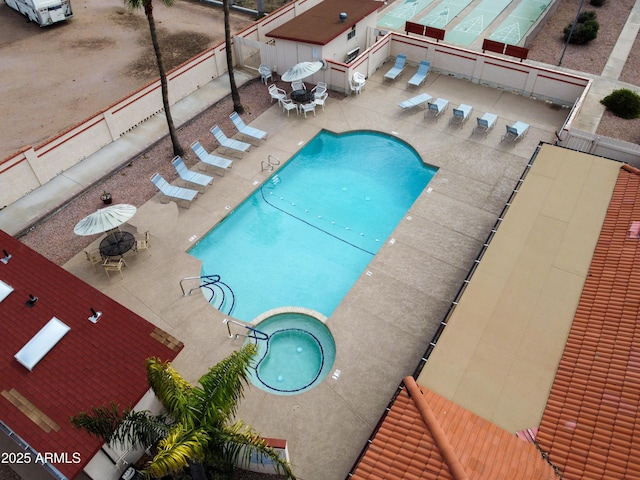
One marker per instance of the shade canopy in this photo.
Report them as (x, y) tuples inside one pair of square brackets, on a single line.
[(300, 71), (105, 219)]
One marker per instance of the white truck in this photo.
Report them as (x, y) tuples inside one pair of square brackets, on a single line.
[(43, 12)]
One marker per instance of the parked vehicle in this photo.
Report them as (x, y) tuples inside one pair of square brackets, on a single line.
[(43, 12)]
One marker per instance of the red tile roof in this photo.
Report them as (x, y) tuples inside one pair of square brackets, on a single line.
[(425, 436), (91, 365), (590, 426), (321, 24)]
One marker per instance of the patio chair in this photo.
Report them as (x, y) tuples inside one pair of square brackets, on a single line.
[(397, 68), (288, 105), (265, 73), (94, 257), (228, 144), (309, 107), (248, 133), (199, 179), (172, 192), (142, 243), (417, 101), (485, 123), (276, 93), (298, 85), (460, 114), (113, 266), (319, 90), (515, 132), (321, 100), (220, 164), (421, 75), (436, 108)]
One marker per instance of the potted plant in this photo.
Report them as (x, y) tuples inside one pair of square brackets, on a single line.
[(106, 197)]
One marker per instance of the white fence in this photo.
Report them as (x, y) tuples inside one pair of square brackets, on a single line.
[(31, 167)]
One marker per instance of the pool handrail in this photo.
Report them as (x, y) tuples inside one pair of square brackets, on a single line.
[(227, 321)]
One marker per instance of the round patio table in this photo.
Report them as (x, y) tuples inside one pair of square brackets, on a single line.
[(117, 244), (301, 96)]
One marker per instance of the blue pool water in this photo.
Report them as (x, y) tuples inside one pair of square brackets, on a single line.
[(297, 356), (305, 236)]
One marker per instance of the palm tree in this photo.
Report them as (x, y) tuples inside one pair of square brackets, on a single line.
[(196, 428), (148, 11), (235, 95)]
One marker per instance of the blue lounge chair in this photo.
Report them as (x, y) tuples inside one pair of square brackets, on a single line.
[(219, 163), (516, 132), (199, 179), (228, 144), (172, 192), (417, 101), (397, 68), (485, 123), (249, 133), (421, 75), (436, 107), (461, 114)]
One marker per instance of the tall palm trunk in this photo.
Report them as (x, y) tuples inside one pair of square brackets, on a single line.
[(235, 95), (148, 10)]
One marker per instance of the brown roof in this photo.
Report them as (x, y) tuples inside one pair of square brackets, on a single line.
[(590, 426), (91, 365), (321, 24), (425, 436)]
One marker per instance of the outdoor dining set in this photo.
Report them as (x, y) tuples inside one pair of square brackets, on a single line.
[(117, 242), (300, 99)]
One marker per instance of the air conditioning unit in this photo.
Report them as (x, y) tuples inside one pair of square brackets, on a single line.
[(351, 55)]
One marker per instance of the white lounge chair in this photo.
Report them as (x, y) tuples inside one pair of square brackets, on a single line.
[(265, 73), (437, 107), (460, 114), (199, 179), (228, 144), (355, 87), (421, 75), (277, 93), (249, 133), (309, 107), (172, 192), (485, 123), (516, 132), (417, 101), (397, 68), (219, 163)]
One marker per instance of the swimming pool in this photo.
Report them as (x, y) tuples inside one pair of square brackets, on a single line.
[(305, 235)]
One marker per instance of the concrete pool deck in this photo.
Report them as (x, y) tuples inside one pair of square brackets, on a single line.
[(387, 319)]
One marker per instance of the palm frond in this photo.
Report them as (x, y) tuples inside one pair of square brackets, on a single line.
[(126, 427), (237, 443), (223, 386), (101, 422), (172, 390), (176, 451)]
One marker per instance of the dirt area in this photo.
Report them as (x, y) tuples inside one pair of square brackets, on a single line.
[(55, 77)]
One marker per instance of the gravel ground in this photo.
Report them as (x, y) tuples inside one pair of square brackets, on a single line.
[(130, 185), (591, 58)]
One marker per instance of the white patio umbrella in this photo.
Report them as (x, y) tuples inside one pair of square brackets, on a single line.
[(104, 219), (300, 71)]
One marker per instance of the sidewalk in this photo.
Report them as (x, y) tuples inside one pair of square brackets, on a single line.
[(43, 201)]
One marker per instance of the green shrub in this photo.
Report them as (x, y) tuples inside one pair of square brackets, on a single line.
[(586, 16), (586, 28), (623, 103), (598, 3)]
